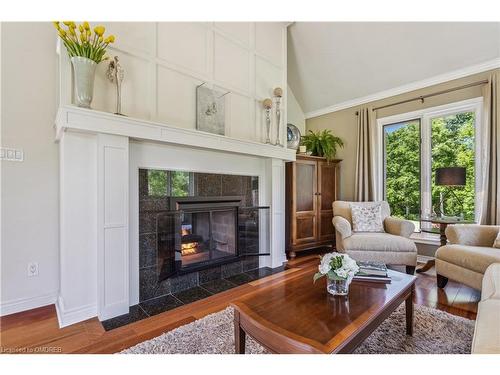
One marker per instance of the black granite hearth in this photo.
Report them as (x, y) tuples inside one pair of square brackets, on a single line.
[(157, 305)]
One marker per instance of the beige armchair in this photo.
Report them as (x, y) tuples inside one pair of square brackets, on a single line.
[(391, 247), (467, 255)]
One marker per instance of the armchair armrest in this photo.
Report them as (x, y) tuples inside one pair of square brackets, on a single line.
[(491, 282), (472, 234), (399, 227), (342, 226)]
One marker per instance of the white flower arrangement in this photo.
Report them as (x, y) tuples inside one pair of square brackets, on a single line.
[(336, 266)]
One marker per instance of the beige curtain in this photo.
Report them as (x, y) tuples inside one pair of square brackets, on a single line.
[(489, 197), (365, 183)]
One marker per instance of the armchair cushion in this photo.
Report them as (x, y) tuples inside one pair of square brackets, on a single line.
[(367, 217), (399, 227), (342, 226), (378, 242), (472, 234), (474, 258), (343, 208)]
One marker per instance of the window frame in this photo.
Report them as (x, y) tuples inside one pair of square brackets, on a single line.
[(425, 116)]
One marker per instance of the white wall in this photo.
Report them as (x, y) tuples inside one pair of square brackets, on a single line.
[(30, 221), (295, 114)]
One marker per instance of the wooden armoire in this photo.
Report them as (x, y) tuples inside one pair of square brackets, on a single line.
[(311, 188)]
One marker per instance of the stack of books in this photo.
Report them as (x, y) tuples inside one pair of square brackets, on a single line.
[(372, 272)]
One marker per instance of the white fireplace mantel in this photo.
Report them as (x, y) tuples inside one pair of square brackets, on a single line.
[(87, 120), (100, 155)]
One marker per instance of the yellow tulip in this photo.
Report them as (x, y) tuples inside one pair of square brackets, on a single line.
[(100, 38), (80, 28), (82, 38), (67, 23), (56, 25), (110, 39), (99, 30), (72, 25), (72, 31), (86, 25), (62, 33)]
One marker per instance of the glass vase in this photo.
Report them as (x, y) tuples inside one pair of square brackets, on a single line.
[(84, 70), (338, 287)]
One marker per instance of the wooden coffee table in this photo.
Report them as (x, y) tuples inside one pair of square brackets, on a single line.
[(297, 316)]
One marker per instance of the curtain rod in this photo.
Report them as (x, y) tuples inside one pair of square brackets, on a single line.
[(423, 97)]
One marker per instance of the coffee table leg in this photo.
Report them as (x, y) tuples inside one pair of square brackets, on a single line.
[(409, 312), (239, 335)]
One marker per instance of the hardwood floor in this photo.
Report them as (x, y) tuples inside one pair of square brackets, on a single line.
[(37, 331)]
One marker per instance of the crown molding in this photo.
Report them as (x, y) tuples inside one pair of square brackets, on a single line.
[(450, 76)]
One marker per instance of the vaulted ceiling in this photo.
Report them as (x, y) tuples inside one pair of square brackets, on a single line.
[(330, 63)]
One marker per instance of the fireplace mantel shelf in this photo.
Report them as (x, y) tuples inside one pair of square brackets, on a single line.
[(87, 120)]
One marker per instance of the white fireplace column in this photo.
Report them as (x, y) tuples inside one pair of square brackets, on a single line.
[(275, 192), (94, 250)]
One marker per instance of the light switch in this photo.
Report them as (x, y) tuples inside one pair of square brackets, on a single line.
[(10, 154)]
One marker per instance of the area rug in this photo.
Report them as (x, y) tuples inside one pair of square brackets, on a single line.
[(435, 332)]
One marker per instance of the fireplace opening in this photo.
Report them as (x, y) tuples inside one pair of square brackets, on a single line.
[(202, 232), (208, 235)]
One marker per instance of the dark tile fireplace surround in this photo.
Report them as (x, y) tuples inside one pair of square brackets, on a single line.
[(161, 192), (157, 192)]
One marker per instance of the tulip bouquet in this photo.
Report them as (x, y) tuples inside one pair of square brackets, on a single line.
[(83, 42)]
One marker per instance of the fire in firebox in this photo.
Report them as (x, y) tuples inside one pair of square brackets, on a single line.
[(188, 246)]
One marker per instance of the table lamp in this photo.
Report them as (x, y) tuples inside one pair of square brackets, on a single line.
[(450, 177)]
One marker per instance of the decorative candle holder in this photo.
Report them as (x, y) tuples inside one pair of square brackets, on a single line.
[(268, 104), (278, 93)]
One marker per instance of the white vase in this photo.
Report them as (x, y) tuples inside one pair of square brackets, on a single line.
[(84, 70)]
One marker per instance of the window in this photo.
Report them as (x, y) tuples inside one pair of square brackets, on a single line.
[(452, 142), (169, 183), (402, 168), (414, 145)]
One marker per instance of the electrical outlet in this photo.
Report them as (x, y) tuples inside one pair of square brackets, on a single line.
[(32, 269)]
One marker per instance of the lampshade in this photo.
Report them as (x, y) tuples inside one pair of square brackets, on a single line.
[(450, 176)]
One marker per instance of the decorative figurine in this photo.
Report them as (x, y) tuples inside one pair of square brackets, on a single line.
[(278, 93), (115, 75), (268, 104)]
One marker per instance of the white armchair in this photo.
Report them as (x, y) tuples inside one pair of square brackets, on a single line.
[(391, 247)]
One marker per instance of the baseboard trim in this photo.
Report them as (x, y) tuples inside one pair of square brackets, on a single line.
[(67, 317), (23, 304)]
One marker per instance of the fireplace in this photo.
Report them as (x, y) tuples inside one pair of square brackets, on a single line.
[(200, 232)]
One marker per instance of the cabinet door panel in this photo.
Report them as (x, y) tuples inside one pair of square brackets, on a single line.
[(327, 180), (305, 203), (326, 228), (305, 229), (305, 185), (327, 184)]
